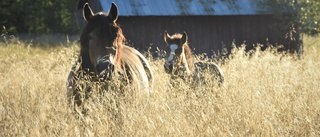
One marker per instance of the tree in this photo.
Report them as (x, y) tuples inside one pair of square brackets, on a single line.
[(38, 16), (306, 13)]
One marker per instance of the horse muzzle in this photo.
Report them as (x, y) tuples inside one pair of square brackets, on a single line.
[(105, 70), (168, 67)]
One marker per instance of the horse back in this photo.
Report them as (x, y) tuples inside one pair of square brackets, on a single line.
[(201, 67)]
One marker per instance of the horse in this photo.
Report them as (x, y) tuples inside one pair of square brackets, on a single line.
[(104, 58), (180, 63)]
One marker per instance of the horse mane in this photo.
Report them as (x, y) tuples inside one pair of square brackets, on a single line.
[(119, 42), (135, 67), (189, 58)]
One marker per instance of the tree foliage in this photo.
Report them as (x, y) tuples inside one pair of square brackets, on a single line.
[(38, 16), (307, 13)]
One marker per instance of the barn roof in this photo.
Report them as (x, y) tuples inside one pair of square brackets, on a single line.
[(182, 7)]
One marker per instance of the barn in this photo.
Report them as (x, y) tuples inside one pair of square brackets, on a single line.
[(212, 25)]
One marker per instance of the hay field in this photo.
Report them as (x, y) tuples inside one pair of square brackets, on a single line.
[(265, 95)]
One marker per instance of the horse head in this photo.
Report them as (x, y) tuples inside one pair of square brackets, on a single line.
[(176, 48), (101, 41)]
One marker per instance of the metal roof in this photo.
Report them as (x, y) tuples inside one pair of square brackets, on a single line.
[(182, 7)]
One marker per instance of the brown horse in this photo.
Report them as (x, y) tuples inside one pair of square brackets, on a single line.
[(104, 57), (179, 60)]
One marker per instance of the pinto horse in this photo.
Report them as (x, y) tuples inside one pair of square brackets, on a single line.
[(104, 57), (179, 60)]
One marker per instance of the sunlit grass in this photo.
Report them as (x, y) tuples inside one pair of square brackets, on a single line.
[(266, 94)]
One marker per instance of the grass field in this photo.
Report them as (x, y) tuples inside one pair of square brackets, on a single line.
[(266, 94)]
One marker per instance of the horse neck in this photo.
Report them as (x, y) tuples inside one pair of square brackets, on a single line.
[(119, 45)]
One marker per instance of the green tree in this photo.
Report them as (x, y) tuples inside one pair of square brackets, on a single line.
[(306, 13), (38, 16)]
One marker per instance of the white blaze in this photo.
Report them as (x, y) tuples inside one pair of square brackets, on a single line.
[(173, 47)]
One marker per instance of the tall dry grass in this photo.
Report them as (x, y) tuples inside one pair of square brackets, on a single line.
[(266, 94)]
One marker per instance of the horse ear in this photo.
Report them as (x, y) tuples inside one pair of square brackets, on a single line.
[(113, 12), (184, 38), (166, 36), (87, 12)]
